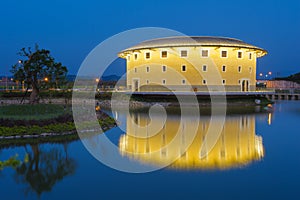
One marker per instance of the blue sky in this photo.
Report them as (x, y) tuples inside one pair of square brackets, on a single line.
[(71, 29)]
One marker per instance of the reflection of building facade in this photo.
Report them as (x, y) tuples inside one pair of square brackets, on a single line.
[(177, 62), (237, 145)]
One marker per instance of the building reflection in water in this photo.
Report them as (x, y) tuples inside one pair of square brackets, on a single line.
[(237, 146)]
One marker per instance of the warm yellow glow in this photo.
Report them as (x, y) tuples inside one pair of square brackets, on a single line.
[(270, 118), (237, 146), (97, 80), (46, 79)]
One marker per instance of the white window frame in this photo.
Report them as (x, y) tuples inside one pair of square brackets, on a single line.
[(207, 53), (164, 81), (204, 82), (187, 53), (162, 68), (182, 68), (146, 56), (222, 68), (237, 55), (223, 81), (183, 82), (205, 68), (161, 54), (226, 54)]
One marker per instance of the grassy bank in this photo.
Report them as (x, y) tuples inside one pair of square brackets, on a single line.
[(42, 119)]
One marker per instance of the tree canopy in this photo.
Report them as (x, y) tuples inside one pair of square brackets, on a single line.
[(38, 69)]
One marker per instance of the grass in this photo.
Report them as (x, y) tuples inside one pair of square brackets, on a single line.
[(33, 112)]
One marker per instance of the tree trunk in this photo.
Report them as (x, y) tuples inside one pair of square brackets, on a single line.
[(34, 95)]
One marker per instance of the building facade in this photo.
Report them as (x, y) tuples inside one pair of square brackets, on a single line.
[(191, 64)]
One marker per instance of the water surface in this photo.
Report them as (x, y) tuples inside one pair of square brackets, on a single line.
[(255, 157)]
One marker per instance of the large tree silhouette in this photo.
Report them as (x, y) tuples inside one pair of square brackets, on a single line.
[(38, 69)]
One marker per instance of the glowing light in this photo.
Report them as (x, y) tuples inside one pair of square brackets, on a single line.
[(97, 80), (260, 74), (46, 79), (270, 73), (269, 118)]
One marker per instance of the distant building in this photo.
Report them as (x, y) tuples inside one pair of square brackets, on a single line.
[(282, 84), (176, 62)]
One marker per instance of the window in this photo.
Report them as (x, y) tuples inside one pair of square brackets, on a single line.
[(164, 68), (239, 81), (164, 81), (250, 69), (239, 69), (183, 81), (128, 58), (183, 53), (147, 69), (147, 55), (250, 56), (223, 68), (240, 54), (224, 54), (164, 54), (147, 82), (204, 82), (204, 68), (223, 81), (183, 68), (135, 56), (204, 53), (135, 70)]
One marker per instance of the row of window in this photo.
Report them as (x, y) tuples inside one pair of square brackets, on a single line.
[(183, 81), (184, 54), (204, 68)]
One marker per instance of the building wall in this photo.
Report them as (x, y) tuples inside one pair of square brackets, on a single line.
[(194, 74)]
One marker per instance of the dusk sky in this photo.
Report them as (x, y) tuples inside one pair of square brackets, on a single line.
[(71, 29)]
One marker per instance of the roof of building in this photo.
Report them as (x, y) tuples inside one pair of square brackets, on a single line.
[(180, 41)]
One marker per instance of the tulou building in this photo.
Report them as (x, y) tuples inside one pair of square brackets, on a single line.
[(198, 64)]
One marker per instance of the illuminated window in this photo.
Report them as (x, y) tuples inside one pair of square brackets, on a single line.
[(250, 56), (204, 53), (147, 69), (223, 81), (183, 53), (224, 54), (164, 68), (183, 82), (239, 69), (164, 54), (204, 68), (183, 68), (240, 54), (164, 81), (147, 56), (204, 82), (223, 68), (135, 56)]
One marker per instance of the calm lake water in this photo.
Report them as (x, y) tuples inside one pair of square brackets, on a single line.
[(255, 156)]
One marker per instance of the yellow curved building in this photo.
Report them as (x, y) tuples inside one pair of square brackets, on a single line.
[(237, 146), (191, 64)]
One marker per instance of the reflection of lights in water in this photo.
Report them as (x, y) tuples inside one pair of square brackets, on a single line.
[(237, 146), (269, 118)]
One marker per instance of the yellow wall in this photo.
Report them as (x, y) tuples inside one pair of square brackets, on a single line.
[(194, 62), (237, 145)]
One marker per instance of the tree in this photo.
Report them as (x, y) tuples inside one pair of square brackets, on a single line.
[(38, 69)]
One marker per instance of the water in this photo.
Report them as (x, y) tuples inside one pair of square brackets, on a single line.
[(255, 157)]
